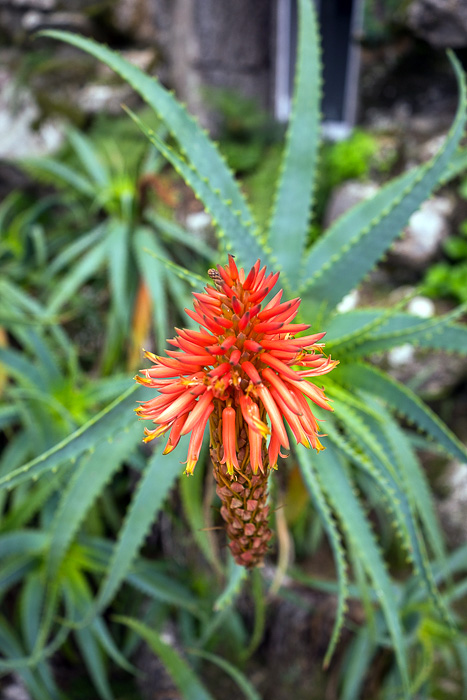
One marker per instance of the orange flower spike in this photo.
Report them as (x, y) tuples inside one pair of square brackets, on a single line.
[(198, 412), (175, 433), (196, 441), (256, 442), (250, 416), (274, 450), (229, 439), (274, 414), (245, 371)]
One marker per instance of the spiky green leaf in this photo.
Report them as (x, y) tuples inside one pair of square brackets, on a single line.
[(312, 482), (195, 143), (355, 242), (183, 676), (117, 416), (153, 488), (241, 237), (92, 474), (240, 679), (288, 228), (403, 401), (341, 495)]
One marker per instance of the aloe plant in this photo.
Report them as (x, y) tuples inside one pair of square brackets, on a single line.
[(119, 231), (365, 444)]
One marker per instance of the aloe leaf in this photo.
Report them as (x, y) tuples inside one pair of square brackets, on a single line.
[(151, 492), (93, 165), (452, 339), (240, 236), (342, 329), (355, 242), (356, 527), (88, 265), (193, 279), (312, 482), (240, 679), (174, 232), (22, 369), (15, 570), (236, 576), (145, 578), (8, 416), (41, 349), (106, 641), (58, 174), (288, 228), (25, 509), (11, 648), (192, 498), (16, 452), (117, 255), (457, 166), (76, 248), (88, 480), (117, 416), (417, 334), (94, 662), (30, 608), (403, 401), (153, 274), (106, 389), (78, 600), (376, 458), (148, 577), (182, 675), (195, 143), (41, 649), (416, 483), (19, 542), (356, 664)]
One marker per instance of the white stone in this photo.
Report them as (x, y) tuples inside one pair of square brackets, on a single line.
[(402, 355), (347, 196), (97, 98), (421, 306), (452, 508), (36, 4), (15, 691), (427, 229), (18, 113), (349, 302), (198, 222)]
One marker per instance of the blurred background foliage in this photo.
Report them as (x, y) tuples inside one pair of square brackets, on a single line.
[(90, 272)]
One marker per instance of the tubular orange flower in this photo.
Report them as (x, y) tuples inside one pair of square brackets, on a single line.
[(246, 372)]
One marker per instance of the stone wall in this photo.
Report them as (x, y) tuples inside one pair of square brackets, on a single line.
[(189, 44)]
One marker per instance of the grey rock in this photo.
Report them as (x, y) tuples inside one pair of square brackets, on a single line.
[(198, 222), (29, 4), (421, 306), (433, 374), (15, 691), (213, 44), (442, 23), (142, 58), (34, 21), (401, 356), (453, 507), (427, 229), (18, 112), (95, 99), (349, 302), (135, 18), (346, 196)]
